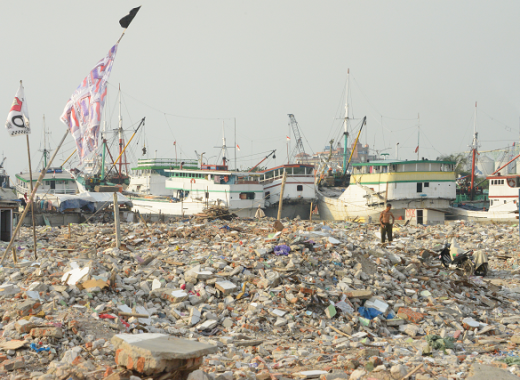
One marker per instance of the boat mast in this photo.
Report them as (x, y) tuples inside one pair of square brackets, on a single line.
[(45, 151), (418, 135), (474, 147), (120, 134), (223, 145), (345, 127), (104, 141)]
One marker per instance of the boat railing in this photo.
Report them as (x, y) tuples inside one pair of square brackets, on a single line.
[(165, 162), (272, 179)]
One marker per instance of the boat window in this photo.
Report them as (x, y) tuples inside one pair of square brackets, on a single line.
[(247, 195), (419, 187), (299, 188), (427, 184), (267, 195), (504, 201), (299, 170), (491, 202)]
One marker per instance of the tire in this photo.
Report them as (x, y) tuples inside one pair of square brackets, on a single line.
[(468, 268), (482, 270)]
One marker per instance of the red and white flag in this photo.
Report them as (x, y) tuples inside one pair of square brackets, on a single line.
[(238, 148), (82, 114), (288, 138), (18, 118)]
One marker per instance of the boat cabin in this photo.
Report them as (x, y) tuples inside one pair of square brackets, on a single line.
[(56, 181), (503, 192)]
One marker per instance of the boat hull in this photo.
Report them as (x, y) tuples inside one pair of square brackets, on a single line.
[(157, 209)]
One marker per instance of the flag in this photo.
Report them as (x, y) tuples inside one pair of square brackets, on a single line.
[(416, 149), (82, 113), (18, 118), (125, 21), (238, 148), (288, 138), (175, 142)]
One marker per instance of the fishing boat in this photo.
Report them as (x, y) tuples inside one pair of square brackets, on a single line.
[(360, 191), (298, 190), (407, 185), (503, 194), (57, 180), (189, 190), (4, 177)]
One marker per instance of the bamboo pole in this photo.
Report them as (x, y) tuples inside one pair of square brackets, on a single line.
[(68, 158), (116, 222), (32, 203), (310, 215), (38, 183), (280, 202)]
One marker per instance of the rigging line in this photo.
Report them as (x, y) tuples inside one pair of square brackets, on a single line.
[(466, 130), (169, 127), (305, 137), (344, 87), (507, 127), (170, 114), (375, 109), (425, 135)]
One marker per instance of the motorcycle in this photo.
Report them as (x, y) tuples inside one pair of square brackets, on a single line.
[(467, 262)]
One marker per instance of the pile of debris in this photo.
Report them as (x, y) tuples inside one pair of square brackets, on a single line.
[(239, 300), (216, 212)]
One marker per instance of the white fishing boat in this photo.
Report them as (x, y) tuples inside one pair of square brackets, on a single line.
[(191, 190), (503, 201), (421, 184), (298, 193), (503, 193), (4, 177), (57, 181)]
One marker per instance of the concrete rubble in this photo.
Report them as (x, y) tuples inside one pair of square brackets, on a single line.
[(239, 299)]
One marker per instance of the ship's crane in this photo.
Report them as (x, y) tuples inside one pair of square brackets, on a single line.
[(298, 149)]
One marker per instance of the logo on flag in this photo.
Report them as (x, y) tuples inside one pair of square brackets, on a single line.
[(238, 148), (82, 114), (18, 118)]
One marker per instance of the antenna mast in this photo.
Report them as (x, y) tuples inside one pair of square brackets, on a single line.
[(345, 127)]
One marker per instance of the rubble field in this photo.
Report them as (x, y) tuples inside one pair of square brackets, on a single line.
[(213, 299)]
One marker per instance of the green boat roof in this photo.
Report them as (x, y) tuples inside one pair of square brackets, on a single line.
[(394, 162)]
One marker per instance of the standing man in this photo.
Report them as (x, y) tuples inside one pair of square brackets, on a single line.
[(386, 225)]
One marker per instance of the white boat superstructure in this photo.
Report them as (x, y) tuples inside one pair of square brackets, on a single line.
[(503, 201), (149, 177), (299, 190), (190, 191), (56, 181), (421, 184)]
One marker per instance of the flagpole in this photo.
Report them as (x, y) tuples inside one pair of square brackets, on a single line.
[(38, 183), (122, 35), (32, 203)]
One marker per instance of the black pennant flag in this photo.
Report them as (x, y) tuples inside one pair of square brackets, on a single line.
[(125, 21)]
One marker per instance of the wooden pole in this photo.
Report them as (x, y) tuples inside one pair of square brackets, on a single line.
[(116, 222), (280, 202), (15, 259), (310, 215), (68, 158), (32, 203), (38, 183)]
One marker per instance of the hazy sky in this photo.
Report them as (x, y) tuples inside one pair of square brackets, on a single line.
[(189, 66)]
